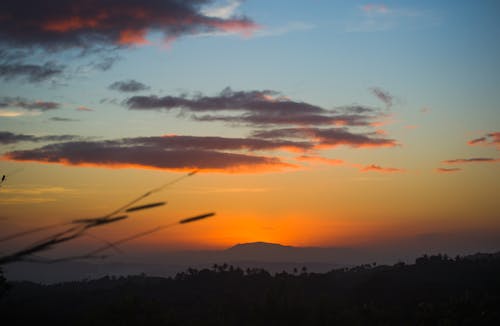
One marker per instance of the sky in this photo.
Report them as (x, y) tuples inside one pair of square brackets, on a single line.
[(310, 123)]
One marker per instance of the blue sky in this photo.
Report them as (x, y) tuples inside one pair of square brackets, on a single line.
[(424, 74)]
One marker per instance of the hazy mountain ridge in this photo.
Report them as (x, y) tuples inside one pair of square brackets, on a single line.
[(269, 256)]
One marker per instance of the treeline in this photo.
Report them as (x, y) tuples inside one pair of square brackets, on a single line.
[(436, 290)]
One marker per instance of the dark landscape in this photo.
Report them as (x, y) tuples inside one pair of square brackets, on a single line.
[(435, 290)]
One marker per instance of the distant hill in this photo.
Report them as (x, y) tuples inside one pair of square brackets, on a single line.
[(273, 252), (270, 256)]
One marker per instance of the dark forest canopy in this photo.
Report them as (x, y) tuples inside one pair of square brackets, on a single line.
[(434, 290)]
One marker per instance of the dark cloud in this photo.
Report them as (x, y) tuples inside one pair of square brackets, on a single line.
[(11, 138), (217, 143), (60, 119), (328, 137), (30, 72), (171, 153), (382, 95), (64, 24), (19, 102), (256, 108), (472, 160), (128, 86), (490, 139)]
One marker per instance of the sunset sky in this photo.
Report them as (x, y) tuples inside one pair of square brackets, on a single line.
[(312, 123)]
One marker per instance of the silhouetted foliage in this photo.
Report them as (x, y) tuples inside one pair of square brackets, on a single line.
[(436, 290), (3, 284)]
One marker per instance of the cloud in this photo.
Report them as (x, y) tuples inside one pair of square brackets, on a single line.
[(471, 160), (477, 141), (329, 137), (10, 114), (223, 12), (60, 119), (382, 95), (490, 139), (11, 138), (105, 63), (256, 107), (128, 86), (373, 8), (30, 72), (448, 170), (378, 168), (284, 29), (380, 17), (319, 159), (19, 102), (61, 24), (218, 143), (168, 152), (84, 109)]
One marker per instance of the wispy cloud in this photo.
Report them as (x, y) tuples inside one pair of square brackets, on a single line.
[(84, 109), (61, 119), (225, 11), (378, 17), (319, 160), (374, 8), (32, 73), (35, 190), (31, 194), (329, 137), (128, 86), (472, 160), (448, 170), (11, 114), (19, 102), (11, 138), (490, 139), (290, 27), (380, 169), (383, 95)]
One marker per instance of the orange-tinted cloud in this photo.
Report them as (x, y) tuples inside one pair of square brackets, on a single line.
[(168, 152), (490, 139), (378, 168), (375, 8), (319, 159), (448, 170), (62, 24), (84, 109)]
